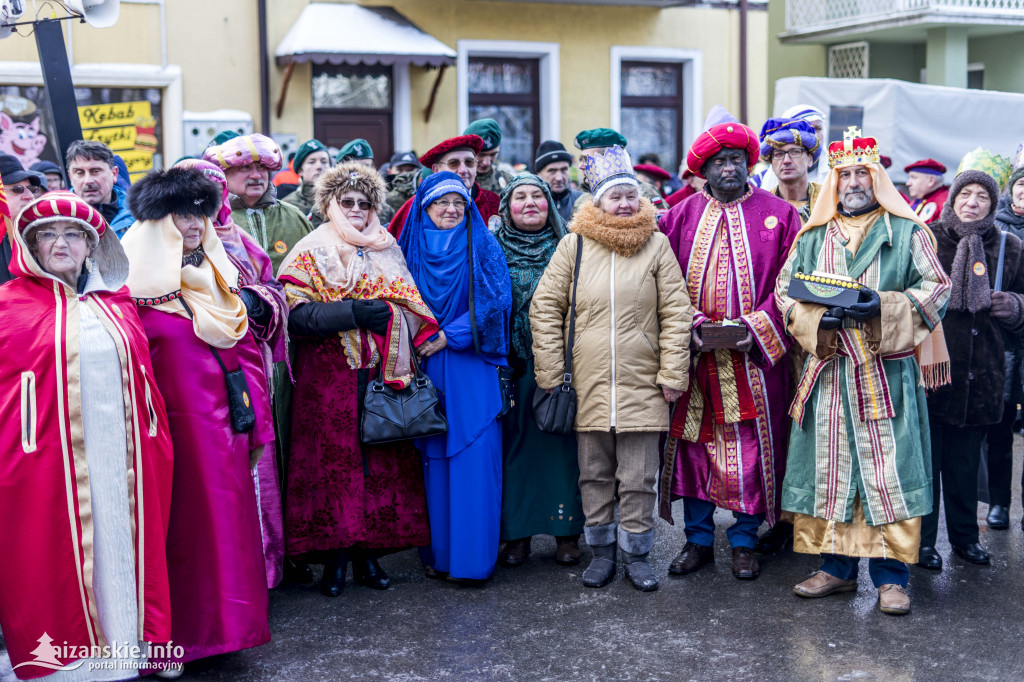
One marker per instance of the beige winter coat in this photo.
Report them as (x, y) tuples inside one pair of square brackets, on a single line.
[(633, 321)]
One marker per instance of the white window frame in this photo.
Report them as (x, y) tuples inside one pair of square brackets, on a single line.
[(401, 108), (549, 88), (693, 83), (166, 78)]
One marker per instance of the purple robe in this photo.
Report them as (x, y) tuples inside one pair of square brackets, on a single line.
[(219, 600), (257, 274), (728, 439)]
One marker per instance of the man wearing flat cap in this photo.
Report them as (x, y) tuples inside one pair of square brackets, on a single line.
[(488, 175), (457, 155), (727, 444), (552, 165), (597, 141), (924, 185)]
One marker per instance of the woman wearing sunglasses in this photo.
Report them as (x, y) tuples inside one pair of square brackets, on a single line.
[(354, 310)]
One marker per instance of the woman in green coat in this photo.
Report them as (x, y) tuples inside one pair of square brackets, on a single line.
[(540, 489)]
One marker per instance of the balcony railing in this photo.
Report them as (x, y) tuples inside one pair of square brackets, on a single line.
[(805, 16)]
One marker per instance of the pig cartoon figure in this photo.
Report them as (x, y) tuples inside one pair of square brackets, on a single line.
[(21, 139)]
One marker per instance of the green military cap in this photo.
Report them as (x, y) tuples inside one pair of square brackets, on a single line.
[(488, 130), (305, 149), (222, 137), (599, 137), (356, 149)]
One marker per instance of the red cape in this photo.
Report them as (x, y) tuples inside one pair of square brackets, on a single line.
[(45, 505)]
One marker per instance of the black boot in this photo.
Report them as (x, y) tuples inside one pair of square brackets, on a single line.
[(333, 581), (601, 570), (776, 539), (367, 572), (297, 572), (639, 572), (998, 517)]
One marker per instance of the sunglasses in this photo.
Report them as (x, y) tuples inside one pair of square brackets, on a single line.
[(350, 203), (36, 190), (453, 164)]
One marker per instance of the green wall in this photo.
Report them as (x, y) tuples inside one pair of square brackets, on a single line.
[(1003, 57), (895, 60)]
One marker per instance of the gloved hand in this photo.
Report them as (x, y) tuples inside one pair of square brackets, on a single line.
[(832, 319), (372, 315), (255, 308), (1004, 306), (867, 307)]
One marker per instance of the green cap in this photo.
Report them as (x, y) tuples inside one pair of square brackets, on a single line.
[(356, 149), (222, 137), (305, 149), (599, 137), (488, 129)]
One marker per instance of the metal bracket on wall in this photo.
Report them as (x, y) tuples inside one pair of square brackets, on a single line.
[(433, 93)]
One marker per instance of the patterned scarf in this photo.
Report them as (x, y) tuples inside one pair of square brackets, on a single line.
[(528, 254)]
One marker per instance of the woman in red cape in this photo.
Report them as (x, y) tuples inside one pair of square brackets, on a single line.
[(85, 452)]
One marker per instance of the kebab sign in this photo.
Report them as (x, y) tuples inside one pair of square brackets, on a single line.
[(128, 128)]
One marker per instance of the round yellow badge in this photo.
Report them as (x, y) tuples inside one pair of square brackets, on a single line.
[(770, 222), (245, 398), (979, 268), (117, 311), (280, 246)]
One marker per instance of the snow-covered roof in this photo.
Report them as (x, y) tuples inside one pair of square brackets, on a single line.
[(350, 34)]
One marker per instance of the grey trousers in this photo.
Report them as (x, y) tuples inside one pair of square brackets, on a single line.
[(628, 460)]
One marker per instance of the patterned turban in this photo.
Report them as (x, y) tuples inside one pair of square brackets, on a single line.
[(778, 132), (719, 137)]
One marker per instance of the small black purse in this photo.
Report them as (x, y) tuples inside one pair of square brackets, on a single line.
[(555, 412), (392, 414), (508, 391)]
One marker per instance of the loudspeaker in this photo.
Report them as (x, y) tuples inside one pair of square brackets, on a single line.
[(97, 13)]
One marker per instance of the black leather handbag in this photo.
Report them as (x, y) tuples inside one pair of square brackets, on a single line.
[(392, 414), (555, 412)]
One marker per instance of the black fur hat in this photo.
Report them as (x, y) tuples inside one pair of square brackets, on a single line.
[(181, 191)]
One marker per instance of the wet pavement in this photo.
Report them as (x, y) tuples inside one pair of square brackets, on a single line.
[(538, 622)]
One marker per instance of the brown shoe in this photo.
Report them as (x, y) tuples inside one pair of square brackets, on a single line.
[(894, 600), (567, 553), (515, 553), (692, 557), (822, 584), (744, 564)]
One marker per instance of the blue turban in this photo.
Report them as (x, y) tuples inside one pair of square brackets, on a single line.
[(777, 132)]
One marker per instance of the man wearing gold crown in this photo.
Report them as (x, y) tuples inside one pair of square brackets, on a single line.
[(727, 444), (853, 491)]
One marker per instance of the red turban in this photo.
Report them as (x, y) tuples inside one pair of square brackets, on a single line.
[(719, 137)]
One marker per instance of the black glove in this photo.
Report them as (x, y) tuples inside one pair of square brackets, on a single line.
[(867, 307), (832, 319), (258, 311), (321, 319), (372, 315)]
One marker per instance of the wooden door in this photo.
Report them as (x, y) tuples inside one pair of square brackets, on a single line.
[(335, 127)]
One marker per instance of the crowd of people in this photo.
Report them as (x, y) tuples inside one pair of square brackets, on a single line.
[(211, 390)]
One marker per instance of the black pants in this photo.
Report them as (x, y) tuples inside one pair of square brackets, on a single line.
[(1000, 457), (956, 453)]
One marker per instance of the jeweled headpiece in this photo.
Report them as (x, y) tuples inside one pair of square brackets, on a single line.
[(999, 167), (607, 169), (854, 150)]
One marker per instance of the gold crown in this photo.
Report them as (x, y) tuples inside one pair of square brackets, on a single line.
[(854, 150), (999, 167)]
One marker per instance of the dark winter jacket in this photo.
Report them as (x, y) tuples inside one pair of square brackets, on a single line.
[(1007, 220)]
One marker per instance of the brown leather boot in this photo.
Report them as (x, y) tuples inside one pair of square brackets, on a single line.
[(893, 600), (515, 553), (744, 564), (567, 552), (692, 557)]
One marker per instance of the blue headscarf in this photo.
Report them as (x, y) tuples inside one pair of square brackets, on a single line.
[(443, 278)]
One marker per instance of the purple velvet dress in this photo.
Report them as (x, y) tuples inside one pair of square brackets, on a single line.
[(219, 600)]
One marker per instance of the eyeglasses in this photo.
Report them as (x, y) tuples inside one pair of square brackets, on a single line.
[(350, 203), (780, 154), (71, 237), (36, 190), (453, 164), (458, 204)]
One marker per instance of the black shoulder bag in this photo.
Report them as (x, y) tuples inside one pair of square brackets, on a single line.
[(555, 412), (391, 414), (243, 416)]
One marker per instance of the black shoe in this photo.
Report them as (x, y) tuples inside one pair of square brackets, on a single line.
[(692, 557), (515, 552), (776, 539), (601, 570), (639, 572), (297, 572), (973, 553), (928, 558), (367, 572), (998, 517), (333, 581)]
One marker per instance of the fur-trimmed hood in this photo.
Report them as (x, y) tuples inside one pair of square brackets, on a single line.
[(624, 236), (349, 176), (179, 191)]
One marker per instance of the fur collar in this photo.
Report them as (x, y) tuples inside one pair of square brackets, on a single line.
[(624, 236)]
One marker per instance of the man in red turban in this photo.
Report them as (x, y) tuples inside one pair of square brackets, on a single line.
[(727, 444)]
